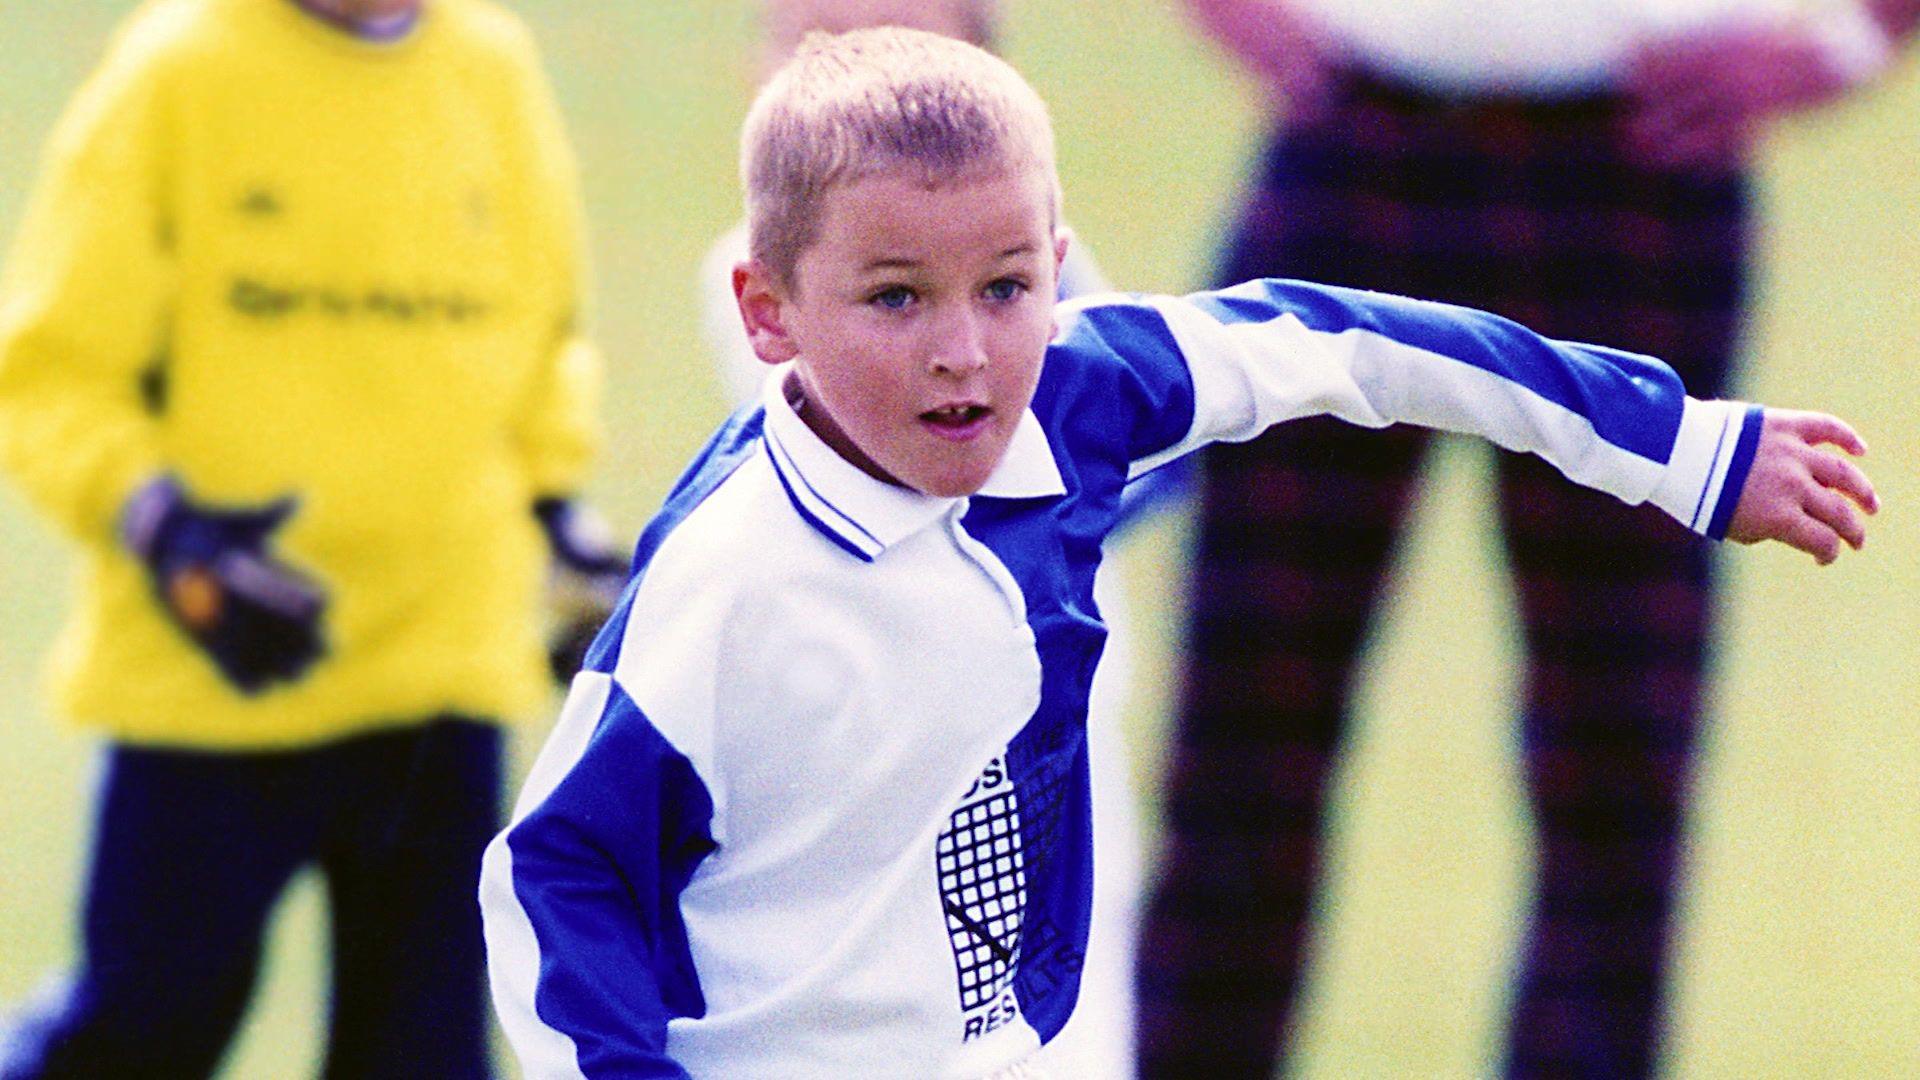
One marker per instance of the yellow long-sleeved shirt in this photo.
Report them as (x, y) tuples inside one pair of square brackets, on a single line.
[(352, 271)]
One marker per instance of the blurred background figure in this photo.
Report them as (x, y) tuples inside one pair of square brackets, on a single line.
[(1098, 1039), (290, 351), (1583, 168)]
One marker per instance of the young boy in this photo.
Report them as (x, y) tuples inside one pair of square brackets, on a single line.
[(818, 806), (1098, 1042)]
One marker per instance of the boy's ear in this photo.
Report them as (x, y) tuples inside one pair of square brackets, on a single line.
[(762, 302)]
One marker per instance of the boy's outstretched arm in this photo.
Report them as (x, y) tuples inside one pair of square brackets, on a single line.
[(1224, 366), (1801, 495)]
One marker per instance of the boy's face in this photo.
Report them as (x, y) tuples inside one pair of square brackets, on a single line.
[(917, 320)]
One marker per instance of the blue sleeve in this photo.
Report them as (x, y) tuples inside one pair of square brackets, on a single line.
[(587, 951), (1631, 401), (1227, 365), (1115, 377)]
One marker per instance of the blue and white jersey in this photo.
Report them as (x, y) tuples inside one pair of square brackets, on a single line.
[(818, 806)]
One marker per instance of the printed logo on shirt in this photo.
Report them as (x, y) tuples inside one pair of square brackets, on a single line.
[(258, 299), (983, 890), (999, 1014)]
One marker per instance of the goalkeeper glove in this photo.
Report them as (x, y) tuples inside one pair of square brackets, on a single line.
[(589, 572), (256, 618)]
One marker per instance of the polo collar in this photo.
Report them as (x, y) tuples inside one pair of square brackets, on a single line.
[(865, 516)]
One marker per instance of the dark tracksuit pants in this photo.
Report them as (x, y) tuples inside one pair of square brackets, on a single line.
[(192, 849), (1533, 211)]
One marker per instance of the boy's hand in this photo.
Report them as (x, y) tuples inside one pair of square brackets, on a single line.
[(589, 571), (255, 617), (1803, 496)]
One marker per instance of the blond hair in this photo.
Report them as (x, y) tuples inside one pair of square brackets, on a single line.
[(853, 105)]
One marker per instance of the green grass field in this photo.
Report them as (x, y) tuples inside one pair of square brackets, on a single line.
[(1800, 951)]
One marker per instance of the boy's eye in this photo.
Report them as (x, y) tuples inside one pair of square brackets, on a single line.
[(893, 297), (1004, 289)]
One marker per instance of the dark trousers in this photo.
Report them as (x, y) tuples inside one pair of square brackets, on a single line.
[(190, 853), (1534, 212)]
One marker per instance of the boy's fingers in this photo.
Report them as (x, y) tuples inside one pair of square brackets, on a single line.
[(1845, 477), (1833, 510), (1817, 428), (1812, 537)]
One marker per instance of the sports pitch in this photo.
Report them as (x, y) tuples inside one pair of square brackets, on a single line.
[(1799, 952)]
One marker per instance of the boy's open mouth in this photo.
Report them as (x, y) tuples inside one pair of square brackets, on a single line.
[(955, 417), (957, 421)]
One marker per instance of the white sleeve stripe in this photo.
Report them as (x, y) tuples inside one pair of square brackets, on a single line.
[(1714, 476), (1365, 378), (1453, 396), (513, 972), (1704, 453)]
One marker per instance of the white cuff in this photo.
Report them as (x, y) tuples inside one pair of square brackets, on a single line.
[(1703, 451)]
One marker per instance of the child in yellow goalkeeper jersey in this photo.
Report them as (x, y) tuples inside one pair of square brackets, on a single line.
[(289, 346)]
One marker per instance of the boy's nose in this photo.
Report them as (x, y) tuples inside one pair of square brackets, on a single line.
[(960, 348)]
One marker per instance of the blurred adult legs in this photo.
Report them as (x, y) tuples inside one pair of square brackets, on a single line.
[(1296, 533), (1535, 212), (1614, 604)]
